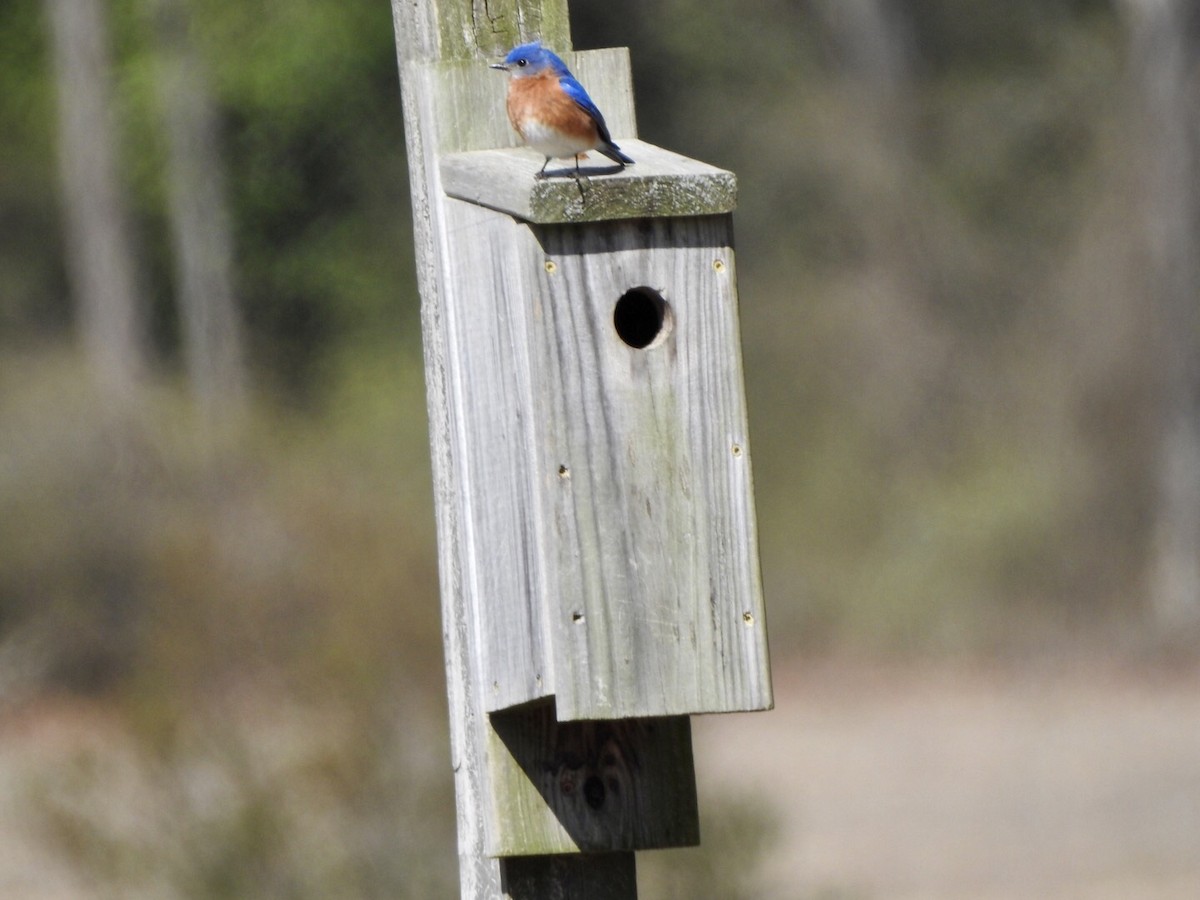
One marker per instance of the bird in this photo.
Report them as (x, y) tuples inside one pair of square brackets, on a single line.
[(551, 111)]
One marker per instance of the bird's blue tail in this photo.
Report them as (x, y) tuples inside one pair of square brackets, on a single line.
[(613, 152)]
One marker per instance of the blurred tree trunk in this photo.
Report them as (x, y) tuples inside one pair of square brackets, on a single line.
[(905, 350), (1166, 57), (873, 43), (201, 228), (100, 257), (873, 40)]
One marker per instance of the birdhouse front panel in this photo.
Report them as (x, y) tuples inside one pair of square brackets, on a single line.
[(653, 600)]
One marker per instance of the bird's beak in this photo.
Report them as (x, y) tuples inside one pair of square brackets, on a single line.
[(503, 67)]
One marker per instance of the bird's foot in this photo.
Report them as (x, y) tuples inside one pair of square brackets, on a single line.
[(580, 181)]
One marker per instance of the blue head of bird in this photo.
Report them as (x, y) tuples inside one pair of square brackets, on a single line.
[(529, 59)]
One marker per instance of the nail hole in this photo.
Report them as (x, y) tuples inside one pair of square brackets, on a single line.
[(719, 265), (642, 318), (748, 618), (577, 617), (736, 449), (564, 472), (551, 266)]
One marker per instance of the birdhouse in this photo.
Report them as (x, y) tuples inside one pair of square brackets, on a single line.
[(589, 359)]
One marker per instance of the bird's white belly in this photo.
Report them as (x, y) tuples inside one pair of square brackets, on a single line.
[(551, 142)]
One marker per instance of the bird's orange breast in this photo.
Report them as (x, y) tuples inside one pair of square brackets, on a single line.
[(539, 98)]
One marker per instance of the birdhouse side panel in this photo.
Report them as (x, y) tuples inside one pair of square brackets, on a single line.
[(490, 377)]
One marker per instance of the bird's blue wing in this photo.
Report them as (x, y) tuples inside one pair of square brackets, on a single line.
[(575, 91)]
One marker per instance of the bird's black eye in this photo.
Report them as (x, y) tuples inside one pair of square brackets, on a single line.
[(522, 63)]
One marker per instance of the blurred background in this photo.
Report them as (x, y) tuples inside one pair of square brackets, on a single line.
[(969, 260)]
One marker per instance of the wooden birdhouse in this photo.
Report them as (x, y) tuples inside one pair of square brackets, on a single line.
[(595, 500)]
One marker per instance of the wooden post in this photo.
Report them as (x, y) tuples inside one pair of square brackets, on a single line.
[(596, 530)]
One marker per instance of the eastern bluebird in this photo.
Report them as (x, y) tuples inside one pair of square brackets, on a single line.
[(550, 109)]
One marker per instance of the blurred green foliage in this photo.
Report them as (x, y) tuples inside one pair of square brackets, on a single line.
[(944, 359), (309, 95), (32, 292)]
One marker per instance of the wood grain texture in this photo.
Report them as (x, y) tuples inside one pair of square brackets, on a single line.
[(655, 598), (417, 45), (491, 27), (660, 183), (476, 29), (630, 588), (566, 787), (604, 492), (594, 505)]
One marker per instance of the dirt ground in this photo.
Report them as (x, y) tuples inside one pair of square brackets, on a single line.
[(1072, 780), (1077, 780)]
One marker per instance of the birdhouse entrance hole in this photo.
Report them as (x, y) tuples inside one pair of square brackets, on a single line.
[(642, 318)]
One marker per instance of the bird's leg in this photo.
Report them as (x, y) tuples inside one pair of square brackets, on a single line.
[(580, 178), (542, 171)]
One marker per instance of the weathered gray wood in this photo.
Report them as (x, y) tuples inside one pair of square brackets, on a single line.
[(424, 30), (608, 876), (608, 491), (595, 513), (660, 183), (630, 587), (419, 25), (469, 100), (566, 787), (471, 28), (464, 29), (655, 600)]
